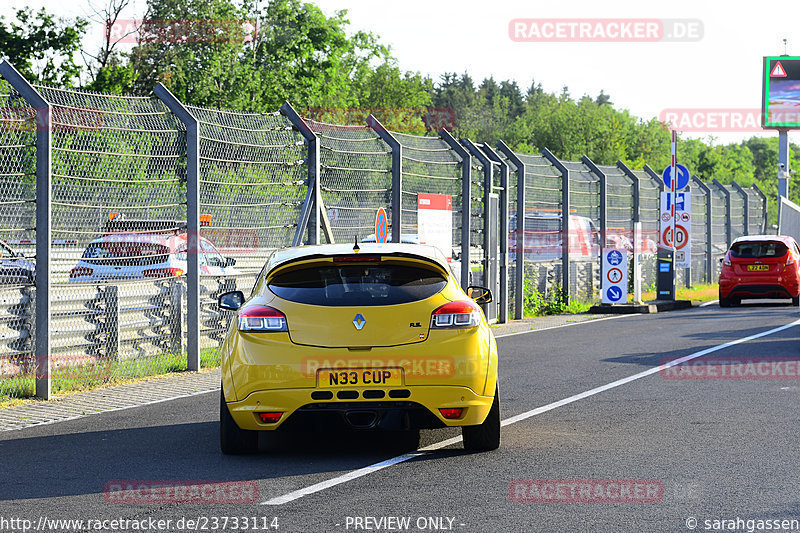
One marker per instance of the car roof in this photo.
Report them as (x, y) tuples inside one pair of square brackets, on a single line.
[(159, 238), (785, 239), (298, 253)]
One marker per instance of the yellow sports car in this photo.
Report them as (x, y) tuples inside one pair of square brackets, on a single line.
[(358, 337)]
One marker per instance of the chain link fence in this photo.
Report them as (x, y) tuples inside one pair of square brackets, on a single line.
[(699, 235), (118, 220), (17, 231), (120, 176), (252, 187), (355, 179)]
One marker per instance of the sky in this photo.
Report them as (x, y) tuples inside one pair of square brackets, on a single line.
[(708, 78)]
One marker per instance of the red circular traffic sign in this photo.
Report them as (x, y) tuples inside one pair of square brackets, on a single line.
[(381, 226), (682, 239), (614, 275)]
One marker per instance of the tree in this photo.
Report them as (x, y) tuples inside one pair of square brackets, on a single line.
[(42, 47), (109, 70)]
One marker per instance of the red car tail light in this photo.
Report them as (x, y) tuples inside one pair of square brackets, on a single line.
[(162, 272), (80, 271), (727, 260), (261, 318), (456, 315), (270, 418), (451, 413), (790, 261)]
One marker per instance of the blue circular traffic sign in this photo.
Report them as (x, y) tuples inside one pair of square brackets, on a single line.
[(614, 293), (614, 257), (683, 177)]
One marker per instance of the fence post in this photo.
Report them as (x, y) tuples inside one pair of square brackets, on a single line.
[(503, 318), (764, 203), (656, 176), (519, 273), (603, 202), (488, 178), (397, 175), (310, 215), (565, 281), (746, 209), (192, 222), (637, 237), (41, 346), (709, 225), (466, 202), (728, 225)]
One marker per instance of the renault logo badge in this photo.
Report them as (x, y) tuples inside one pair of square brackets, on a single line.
[(359, 321)]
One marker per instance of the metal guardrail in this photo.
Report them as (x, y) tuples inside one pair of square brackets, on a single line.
[(124, 320)]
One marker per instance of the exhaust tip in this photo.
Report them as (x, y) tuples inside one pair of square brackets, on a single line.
[(361, 419)]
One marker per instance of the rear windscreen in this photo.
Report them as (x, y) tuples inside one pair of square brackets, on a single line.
[(357, 285), (758, 250), (125, 253)]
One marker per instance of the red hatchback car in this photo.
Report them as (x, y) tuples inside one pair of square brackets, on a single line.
[(760, 266)]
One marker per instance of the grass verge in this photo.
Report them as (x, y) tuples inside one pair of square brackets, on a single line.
[(102, 373)]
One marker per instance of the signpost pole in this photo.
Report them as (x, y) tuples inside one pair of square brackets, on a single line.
[(783, 162), (673, 183)]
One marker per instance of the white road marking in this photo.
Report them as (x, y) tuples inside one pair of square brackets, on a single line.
[(115, 409), (706, 304), (355, 474)]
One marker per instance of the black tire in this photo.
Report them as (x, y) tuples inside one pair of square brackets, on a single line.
[(486, 436), (796, 301), (232, 439), (724, 302)]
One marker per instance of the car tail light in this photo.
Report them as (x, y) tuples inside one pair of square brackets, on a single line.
[(451, 413), (80, 271), (790, 261), (727, 260), (456, 315), (162, 272), (260, 318), (269, 418)]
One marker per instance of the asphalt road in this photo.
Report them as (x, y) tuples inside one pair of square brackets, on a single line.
[(710, 449)]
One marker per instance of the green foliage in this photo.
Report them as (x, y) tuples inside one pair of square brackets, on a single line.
[(333, 74), (535, 303), (42, 47)]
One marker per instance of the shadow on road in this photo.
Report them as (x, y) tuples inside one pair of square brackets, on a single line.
[(82, 463)]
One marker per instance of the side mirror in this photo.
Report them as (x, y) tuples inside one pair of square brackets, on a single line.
[(481, 295), (721, 259), (230, 301), (230, 261)]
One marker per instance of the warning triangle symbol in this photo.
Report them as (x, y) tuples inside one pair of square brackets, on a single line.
[(777, 71)]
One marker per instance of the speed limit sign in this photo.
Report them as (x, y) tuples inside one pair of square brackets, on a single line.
[(682, 237)]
